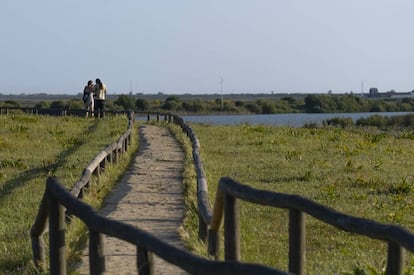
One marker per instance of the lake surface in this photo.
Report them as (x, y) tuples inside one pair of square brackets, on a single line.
[(293, 120)]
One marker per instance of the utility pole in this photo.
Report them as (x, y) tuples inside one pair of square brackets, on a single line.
[(362, 87), (221, 91)]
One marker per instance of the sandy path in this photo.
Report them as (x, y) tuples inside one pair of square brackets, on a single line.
[(149, 196)]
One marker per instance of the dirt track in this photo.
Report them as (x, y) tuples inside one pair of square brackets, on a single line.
[(149, 196)]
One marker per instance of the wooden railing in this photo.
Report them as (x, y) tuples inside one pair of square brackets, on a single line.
[(203, 203), (229, 192), (59, 199), (228, 195), (57, 202), (110, 154), (51, 111), (226, 203)]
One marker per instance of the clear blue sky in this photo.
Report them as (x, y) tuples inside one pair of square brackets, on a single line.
[(185, 46)]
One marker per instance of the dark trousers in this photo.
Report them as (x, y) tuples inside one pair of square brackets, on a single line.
[(99, 108)]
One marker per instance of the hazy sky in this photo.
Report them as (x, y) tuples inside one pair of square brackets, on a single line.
[(186, 46)]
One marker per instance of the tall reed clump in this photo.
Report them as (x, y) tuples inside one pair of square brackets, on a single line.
[(361, 172), (31, 149)]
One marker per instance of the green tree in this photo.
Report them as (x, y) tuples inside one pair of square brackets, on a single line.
[(142, 104), (268, 108), (126, 102), (239, 103), (253, 108), (172, 103), (57, 105), (320, 104), (74, 104), (11, 103), (195, 106), (172, 98), (377, 106), (43, 105)]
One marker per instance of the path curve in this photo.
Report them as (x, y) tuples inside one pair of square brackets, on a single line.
[(149, 196)]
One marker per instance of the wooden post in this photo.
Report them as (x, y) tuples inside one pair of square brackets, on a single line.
[(297, 242), (231, 228), (96, 255), (145, 262), (202, 229), (213, 244), (110, 157), (148, 117), (395, 259), (116, 155), (38, 247), (82, 191), (126, 143), (158, 117), (56, 237), (97, 172), (36, 233), (102, 165)]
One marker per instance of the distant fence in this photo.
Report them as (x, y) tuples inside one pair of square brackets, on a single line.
[(51, 111)]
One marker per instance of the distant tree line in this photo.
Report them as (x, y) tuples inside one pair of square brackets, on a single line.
[(378, 121), (313, 103)]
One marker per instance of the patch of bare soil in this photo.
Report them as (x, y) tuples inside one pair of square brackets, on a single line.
[(149, 196)]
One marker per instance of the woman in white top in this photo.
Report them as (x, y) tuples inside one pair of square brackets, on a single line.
[(88, 98)]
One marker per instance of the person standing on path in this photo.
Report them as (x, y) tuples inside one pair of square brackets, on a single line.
[(88, 98), (100, 96)]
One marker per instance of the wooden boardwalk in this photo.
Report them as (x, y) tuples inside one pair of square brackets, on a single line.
[(149, 196)]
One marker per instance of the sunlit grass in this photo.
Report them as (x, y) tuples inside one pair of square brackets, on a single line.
[(361, 172), (31, 149)]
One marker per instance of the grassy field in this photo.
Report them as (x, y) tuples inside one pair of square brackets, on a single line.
[(31, 149), (361, 172)]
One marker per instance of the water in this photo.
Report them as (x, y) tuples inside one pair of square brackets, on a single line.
[(293, 120)]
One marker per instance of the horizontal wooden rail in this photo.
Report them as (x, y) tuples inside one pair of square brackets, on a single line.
[(53, 111), (110, 154), (203, 203), (145, 242), (396, 236)]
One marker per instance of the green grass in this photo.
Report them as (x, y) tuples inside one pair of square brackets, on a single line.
[(361, 172), (31, 149)]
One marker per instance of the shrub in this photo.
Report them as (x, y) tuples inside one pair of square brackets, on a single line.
[(254, 108), (142, 104), (339, 121)]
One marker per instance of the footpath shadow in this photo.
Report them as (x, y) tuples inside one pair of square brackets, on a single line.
[(121, 189), (46, 169)]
